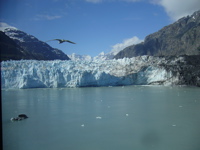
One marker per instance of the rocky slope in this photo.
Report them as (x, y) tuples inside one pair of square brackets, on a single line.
[(10, 50), (179, 38), (37, 49), (187, 69)]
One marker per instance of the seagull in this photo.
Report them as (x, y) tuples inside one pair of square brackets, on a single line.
[(61, 41)]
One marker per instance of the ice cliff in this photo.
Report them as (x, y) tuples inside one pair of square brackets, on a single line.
[(141, 70)]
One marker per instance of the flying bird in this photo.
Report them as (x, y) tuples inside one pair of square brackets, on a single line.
[(61, 41)]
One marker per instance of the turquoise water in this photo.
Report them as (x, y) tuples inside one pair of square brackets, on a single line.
[(102, 118)]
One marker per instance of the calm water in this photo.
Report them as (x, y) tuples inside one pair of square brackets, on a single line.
[(103, 118)]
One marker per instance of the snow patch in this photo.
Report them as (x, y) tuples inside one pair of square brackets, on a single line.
[(4, 26)]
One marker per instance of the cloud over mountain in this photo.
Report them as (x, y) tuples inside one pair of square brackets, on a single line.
[(98, 1), (4, 25), (175, 9), (178, 8), (47, 17), (127, 42)]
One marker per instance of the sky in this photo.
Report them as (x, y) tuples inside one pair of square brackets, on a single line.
[(94, 25)]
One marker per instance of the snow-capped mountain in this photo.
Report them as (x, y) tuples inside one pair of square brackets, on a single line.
[(77, 57), (10, 50), (101, 56), (38, 49), (107, 56), (142, 70), (42, 51), (104, 56)]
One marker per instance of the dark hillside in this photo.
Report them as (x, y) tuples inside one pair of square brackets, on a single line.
[(10, 50), (31, 47)]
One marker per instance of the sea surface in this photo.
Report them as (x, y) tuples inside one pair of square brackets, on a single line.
[(102, 118)]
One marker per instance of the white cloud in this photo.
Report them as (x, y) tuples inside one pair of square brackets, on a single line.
[(130, 0), (47, 17), (127, 42), (98, 1), (178, 8), (3, 26), (94, 1)]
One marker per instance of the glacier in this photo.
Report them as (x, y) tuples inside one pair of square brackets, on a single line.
[(141, 70)]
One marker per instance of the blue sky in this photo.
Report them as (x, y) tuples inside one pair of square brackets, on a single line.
[(95, 25)]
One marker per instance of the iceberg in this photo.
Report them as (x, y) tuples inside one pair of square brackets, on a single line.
[(141, 70)]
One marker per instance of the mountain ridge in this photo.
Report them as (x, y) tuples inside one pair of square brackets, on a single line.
[(179, 38), (10, 49), (37, 49)]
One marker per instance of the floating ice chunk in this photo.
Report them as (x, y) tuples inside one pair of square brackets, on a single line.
[(127, 115), (98, 117), (180, 106), (173, 125), (82, 125)]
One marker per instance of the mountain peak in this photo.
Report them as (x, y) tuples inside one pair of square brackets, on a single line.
[(4, 26), (38, 49), (179, 38)]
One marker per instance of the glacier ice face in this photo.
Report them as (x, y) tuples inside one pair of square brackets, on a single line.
[(51, 74)]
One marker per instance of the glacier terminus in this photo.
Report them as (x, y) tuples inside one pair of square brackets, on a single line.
[(141, 70)]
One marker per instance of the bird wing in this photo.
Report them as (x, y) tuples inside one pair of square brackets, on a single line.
[(61, 41), (69, 41), (53, 40)]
